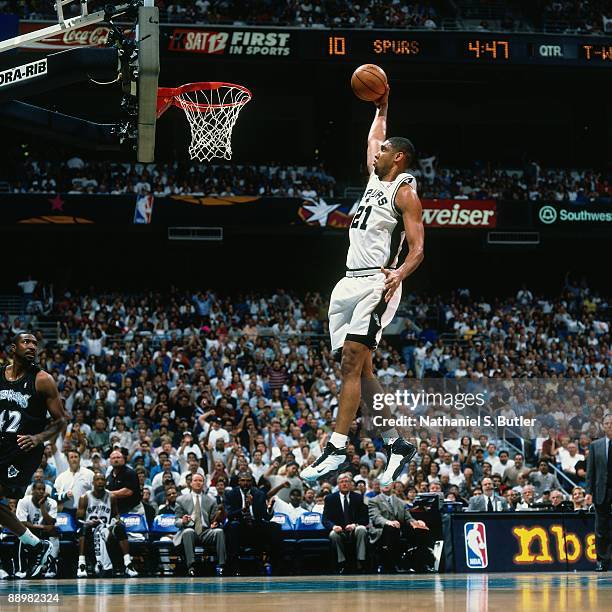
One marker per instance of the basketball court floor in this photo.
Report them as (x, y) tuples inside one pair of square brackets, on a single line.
[(458, 592)]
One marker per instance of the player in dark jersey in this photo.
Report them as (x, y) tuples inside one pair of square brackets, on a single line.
[(27, 394)]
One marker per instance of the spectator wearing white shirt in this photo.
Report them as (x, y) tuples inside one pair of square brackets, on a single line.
[(73, 483), (446, 464), (187, 446), (257, 467), (502, 464), (456, 476), (453, 443), (216, 433), (570, 458)]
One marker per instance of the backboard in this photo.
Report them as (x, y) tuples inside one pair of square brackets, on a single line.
[(129, 59)]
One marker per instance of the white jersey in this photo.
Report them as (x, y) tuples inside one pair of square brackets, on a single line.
[(98, 507), (27, 511), (376, 234)]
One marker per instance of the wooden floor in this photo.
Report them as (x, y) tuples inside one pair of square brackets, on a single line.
[(443, 593)]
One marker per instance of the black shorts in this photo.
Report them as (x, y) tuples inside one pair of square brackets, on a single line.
[(17, 469)]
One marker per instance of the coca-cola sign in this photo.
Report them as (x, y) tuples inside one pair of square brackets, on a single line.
[(90, 36)]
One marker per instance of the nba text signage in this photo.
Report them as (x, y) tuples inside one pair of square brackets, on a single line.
[(517, 541), (573, 216)]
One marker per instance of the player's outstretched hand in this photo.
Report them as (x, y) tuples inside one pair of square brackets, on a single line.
[(392, 282), (384, 99)]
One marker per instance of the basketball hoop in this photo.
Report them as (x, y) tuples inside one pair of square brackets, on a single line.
[(212, 110)]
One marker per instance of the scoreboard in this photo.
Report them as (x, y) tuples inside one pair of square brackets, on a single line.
[(402, 46)]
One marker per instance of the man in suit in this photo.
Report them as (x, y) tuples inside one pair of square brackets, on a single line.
[(390, 518), (197, 520), (249, 515), (489, 501), (599, 484), (346, 516)]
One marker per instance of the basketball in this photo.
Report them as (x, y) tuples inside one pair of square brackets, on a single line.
[(369, 82)]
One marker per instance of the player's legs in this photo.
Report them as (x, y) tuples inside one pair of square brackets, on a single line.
[(399, 451), (39, 550), (334, 454), (118, 532), (353, 300), (354, 356), (82, 565)]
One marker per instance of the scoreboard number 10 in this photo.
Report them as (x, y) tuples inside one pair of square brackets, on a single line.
[(337, 45)]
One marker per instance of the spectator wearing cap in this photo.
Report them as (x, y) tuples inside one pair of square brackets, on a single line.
[(346, 516), (217, 433), (187, 446)]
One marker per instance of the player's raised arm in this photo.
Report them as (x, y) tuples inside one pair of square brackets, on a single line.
[(378, 130), (408, 203)]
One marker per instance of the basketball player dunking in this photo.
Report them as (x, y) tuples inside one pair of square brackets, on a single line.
[(26, 395), (365, 301)]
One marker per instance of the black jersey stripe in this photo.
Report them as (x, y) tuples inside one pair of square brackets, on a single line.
[(407, 179), (396, 238)]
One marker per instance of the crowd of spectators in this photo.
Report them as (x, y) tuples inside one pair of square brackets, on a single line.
[(302, 13), (76, 176), (533, 183), (583, 16), (249, 382), (580, 16)]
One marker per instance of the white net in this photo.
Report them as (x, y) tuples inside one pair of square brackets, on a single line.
[(212, 114)]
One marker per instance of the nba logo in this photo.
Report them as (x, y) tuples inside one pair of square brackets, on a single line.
[(476, 555)]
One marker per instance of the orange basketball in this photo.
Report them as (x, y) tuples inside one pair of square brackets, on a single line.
[(369, 82)]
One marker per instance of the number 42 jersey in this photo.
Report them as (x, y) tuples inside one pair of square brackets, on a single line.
[(377, 231), (23, 410)]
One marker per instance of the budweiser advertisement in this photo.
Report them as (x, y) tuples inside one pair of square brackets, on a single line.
[(90, 36), (471, 214), (459, 213)]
